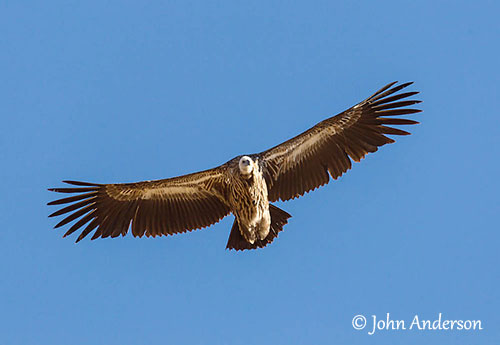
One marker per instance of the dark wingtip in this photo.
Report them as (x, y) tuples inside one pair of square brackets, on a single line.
[(388, 86), (80, 183), (388, 90), (408, 83)]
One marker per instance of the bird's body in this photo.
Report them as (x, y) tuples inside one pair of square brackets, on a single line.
[(247, 195), (244, 186)]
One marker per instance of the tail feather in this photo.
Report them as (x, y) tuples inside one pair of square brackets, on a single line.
[(278, 219)]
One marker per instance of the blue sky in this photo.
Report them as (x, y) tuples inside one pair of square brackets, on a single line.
[(121, 91)]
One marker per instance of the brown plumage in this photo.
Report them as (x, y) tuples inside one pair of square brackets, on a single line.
[(243, 186)]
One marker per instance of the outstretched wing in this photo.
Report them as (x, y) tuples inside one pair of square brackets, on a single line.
[(151, 208), (302, 164)]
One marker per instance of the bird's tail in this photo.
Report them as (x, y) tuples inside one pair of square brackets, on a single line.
[(278, 219)]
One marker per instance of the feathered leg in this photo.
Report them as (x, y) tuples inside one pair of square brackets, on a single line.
[(278, 219)]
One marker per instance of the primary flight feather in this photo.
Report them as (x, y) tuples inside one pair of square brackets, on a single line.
[(244, 186)]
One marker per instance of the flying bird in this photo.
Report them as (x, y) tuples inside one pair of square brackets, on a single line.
[(244, 186)]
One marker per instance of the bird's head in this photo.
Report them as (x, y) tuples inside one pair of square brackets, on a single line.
[(246, 165)]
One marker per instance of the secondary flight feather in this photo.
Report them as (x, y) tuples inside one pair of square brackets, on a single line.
[(244, 186)]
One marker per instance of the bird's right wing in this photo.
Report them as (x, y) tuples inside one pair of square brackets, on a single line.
[(150, 208)]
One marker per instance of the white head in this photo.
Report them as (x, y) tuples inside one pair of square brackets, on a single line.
[(246, 165)]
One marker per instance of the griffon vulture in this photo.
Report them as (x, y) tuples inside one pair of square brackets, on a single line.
[(244, 186)]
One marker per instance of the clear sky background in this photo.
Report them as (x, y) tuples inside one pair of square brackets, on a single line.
[(123, 91)]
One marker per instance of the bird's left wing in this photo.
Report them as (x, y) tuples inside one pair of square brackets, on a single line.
[(304, 163), (150, 208)]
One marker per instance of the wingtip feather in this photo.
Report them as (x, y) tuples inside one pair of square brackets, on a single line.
[(80, 183)]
